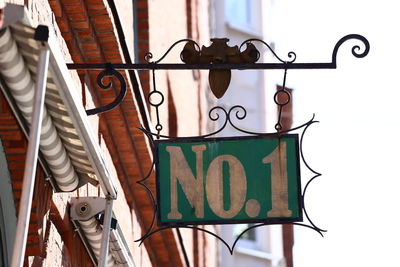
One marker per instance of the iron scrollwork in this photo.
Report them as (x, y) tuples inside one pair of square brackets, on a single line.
[(192, 51), (227, 117), (220, 59), (109, 72)]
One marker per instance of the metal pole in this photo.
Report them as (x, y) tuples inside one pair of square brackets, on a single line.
[(181, 66), (105, 239), (31, 159)]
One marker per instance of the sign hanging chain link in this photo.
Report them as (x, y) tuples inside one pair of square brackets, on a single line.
[(156, 99), (282, 97)]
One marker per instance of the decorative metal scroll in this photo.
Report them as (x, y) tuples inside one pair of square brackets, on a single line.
[(109, 72), (356, 50), (228, 117), (220, 59)]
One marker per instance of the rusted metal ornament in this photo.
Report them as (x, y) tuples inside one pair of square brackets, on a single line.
[(189, 54), (219, 81), (219, 53)]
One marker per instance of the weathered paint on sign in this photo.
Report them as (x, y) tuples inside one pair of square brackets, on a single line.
[(228, 180)]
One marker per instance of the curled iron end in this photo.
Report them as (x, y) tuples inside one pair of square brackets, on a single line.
[(109, 72)]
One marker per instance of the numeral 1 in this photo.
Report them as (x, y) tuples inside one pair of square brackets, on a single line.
[(279, 181)]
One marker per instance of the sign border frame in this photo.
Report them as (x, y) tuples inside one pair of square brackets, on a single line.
[(277, 220)]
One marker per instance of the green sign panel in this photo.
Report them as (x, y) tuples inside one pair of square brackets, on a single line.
[(228, 180)]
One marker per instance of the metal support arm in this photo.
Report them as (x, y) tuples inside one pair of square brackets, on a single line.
[(155, 65), (110, 69), (31, 159), (218, 56)]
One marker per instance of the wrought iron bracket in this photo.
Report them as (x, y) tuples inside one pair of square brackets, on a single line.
[(357, 51), (111, 69), (220, 59)]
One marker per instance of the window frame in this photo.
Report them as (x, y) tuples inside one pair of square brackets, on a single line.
[(8, 214)]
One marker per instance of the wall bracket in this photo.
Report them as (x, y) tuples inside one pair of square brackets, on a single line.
[(219, 59)]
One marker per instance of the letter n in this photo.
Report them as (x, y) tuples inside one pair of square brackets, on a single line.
[(192, 187)]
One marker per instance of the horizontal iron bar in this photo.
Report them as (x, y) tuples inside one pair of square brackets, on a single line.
[(180, 66)]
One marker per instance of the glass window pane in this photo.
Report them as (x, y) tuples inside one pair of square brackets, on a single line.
[(249, 235), (239, 11)]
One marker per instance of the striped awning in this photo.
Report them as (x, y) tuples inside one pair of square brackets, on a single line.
[(70, 152), (117, 255), (59, 141), (84, 213)]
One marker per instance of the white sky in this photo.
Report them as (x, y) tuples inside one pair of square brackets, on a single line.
[(356, 144)]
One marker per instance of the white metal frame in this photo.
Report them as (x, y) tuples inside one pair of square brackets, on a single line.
[(31, 159)]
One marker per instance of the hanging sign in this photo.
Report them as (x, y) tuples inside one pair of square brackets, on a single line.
[(228, 180)]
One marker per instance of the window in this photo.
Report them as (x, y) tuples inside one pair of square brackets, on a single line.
[(8, 219), (240, 11), (242, 15), (249, 238), (249, 235)]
